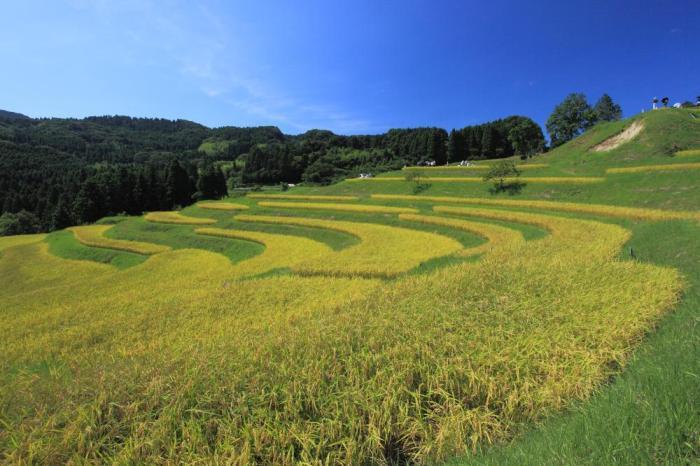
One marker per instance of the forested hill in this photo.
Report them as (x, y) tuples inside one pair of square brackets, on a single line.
[(6, 114), (59, 172)]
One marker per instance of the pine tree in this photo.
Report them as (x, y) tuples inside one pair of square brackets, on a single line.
[(607, 110), (487, 143), (61, 216), (178, 186), (456, 150)]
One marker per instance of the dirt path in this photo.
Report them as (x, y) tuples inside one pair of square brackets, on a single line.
[(625, 136)]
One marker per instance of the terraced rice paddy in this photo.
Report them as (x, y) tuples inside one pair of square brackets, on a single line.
[(654, 168), (177, 218), (522, 179), (383, 251), (336, 333), (92, 235), (226, 206), (634, 213), (358, 208), (302, 197), (688, 153)]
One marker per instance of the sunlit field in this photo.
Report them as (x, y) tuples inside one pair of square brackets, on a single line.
[(351, 324)]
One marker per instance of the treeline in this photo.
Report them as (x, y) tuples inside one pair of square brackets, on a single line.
[(60, 172), (496, 139), (323, 157)]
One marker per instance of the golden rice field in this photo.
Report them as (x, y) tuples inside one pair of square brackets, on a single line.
[(654, 168), (688, 153), (383, 251), (177, 218), (634, 213), (523, 179), (280, 250), (93, 235), (303, 197), (358, 208), (177, 360), (345, 359), (226, 206), (18, 240), (495, 235)]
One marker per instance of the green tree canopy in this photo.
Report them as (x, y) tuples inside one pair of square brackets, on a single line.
[(570, 118), (607, 110), (526, 138)]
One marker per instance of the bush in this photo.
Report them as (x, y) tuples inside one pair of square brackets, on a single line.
[(21, 223)]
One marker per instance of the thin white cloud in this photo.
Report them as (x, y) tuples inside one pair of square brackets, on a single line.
[(204, 50)]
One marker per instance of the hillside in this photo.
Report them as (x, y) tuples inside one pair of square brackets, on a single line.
[(12, 115), (127, 165), (413, 317)]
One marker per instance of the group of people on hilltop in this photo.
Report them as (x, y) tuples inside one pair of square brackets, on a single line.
[(665, 100)]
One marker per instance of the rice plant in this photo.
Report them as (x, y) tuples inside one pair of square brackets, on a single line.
[(654, 168), (280, 250), (359, 208), (177, 218), (226, 206), (92, 235), (635, 213), (383, 251), (496, 236), (175, 361), (303, 197)]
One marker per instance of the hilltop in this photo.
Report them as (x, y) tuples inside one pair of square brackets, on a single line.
[(414, 317), (12, 115)]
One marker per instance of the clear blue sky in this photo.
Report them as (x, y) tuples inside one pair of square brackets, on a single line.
[(349, 66)]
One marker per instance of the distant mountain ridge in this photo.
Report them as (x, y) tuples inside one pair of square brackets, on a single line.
[(12, 115)]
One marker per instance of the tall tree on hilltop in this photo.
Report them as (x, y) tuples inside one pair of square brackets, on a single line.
[(607, 110), (570, 118)]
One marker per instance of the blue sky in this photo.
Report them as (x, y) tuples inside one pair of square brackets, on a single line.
[(352, 67)]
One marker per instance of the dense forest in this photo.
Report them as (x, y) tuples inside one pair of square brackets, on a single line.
[(60, 172)]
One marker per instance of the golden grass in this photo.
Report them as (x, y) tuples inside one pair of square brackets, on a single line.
[(303, 197), (634, 213), (688, 153), (359, 208), (92, 235), (228, 206), (384, 251), (176, 361), (280, 250), (18, 240), (523, 179), (177, 218), (496, 236), (654, 168)]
